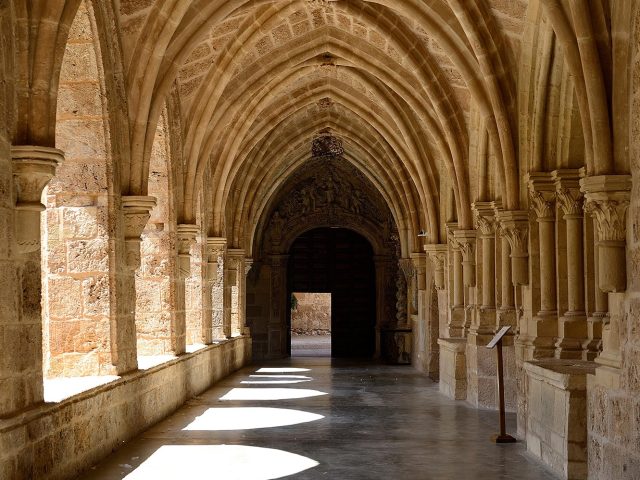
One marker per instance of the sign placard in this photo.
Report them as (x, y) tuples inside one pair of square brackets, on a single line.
[(501, 333)]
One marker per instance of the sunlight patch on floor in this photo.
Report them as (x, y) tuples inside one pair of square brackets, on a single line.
[(249, 393), (283, 370), (222, 462), (245, 418)]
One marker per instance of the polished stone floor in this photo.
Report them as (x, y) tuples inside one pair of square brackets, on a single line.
[(318, 418), (310, 345)]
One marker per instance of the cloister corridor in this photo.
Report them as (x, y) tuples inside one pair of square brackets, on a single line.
[(318, 418)]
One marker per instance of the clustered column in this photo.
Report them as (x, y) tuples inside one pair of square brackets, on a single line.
[(235, 259), (216, 248), (186, 237), (572, 326), (544, 325), (607, 199), (456, 285), (21, 329), (485, 222)]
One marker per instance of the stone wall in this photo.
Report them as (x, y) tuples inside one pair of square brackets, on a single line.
[(78, 222), (59, 441), (312, 314)]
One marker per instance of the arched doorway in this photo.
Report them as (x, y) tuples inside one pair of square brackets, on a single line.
[(340, 262)]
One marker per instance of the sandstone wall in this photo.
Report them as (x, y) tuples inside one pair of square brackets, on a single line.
[(59, 441), (312, 316)]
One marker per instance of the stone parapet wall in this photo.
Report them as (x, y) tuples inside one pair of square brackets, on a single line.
[(557, 412), (482, 385), (59, 441), (453, 368)]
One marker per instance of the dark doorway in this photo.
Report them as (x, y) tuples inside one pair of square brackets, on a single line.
[(340, 262)]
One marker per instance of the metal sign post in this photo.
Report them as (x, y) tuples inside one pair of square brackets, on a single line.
[(502, 437)]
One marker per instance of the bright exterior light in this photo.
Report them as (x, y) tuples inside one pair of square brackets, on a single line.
[(245, 418), (222, 462), (249, 393), (283, 370)]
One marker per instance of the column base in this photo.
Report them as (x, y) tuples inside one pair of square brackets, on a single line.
[(457, 318), (572, 332)]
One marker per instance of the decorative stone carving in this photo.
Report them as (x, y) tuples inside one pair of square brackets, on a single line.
[(568, 192), (33, 168), (186, 236), (466, 243), (542, 193), (515, 228), (607, 200), (408, 269), (136, 211), (327, 145), (438, 255), (215, 251)]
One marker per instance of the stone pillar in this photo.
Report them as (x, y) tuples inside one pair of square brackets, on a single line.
[(248, 265), (216, 248), (235, 257), (572, 326), (607, 199), (486, 314), (21, 341), (456, 292), (383, 276), (278, 330), (543, 327), (438, 254), (186, 237), (420, 324), (136, 211), (407, 294)]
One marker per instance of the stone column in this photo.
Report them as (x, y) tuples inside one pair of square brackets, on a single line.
[(278, 329), (383, 265), (456, 285), (136, 211), (543, 327), (21, 323), (216, 248), (235, 257), (186, 237), (485, 222), (607, 199), (406, 293), (248, 264), (572, 326)]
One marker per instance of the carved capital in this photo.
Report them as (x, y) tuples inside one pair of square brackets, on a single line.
[(438, 255), (607, 199), (215, 250), (248, 264), (136, 211), (33, 168), (515, 227), (542, 194), (568, 192), (466, 243), (186, 236), (484, 215)]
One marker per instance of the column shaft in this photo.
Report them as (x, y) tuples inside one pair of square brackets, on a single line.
[(548, 299)]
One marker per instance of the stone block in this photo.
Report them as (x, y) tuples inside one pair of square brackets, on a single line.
[(87, 256), (79, 223)]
